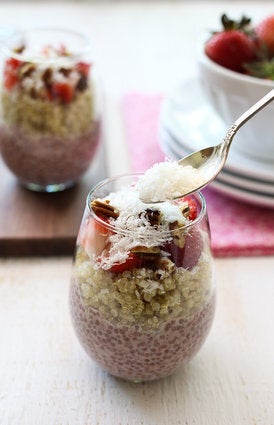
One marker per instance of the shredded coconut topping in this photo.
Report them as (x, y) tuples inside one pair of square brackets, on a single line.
[(168, 180), (147, 225), (132, 228)]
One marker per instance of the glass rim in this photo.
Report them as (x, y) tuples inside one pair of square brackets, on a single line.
[(102, 183), (7, 50)]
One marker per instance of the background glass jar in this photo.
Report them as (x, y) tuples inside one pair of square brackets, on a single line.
[(143, 316), (50, 121)]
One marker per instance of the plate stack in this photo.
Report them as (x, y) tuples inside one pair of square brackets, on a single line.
[(188, 123)]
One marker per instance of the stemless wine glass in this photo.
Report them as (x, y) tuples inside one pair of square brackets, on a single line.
[(142, 293), (50, 117)]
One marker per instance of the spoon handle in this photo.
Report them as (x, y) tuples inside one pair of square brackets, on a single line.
[(264, 101)]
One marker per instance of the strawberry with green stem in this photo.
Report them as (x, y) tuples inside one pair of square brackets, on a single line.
[(234, 45)]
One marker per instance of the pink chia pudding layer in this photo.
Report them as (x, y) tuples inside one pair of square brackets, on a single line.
[(131, 352), (48, 159)]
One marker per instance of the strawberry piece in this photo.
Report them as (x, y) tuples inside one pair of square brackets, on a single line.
[(10, 80), (132, 262), (192, 213), (100, 228), (233, 46), (188, 256), (83, 68), (93, 236), (13, 63), (265, 32), (192, 207), (64, 91), (11, 73)]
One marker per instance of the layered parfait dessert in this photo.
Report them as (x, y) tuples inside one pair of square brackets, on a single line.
[(142, 295), (49, 131)]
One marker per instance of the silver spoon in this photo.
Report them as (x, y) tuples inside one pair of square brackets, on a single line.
[(210, 161)]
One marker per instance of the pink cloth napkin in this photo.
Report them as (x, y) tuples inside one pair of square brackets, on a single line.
[(237, 229)]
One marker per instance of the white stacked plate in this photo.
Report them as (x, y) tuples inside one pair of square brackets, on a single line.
[(188, 123)]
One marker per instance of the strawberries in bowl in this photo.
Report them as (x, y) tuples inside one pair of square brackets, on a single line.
[(232, 83), (233, 46), (243, 47)]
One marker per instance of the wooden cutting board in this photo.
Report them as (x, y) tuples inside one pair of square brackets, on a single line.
[(43, 223)]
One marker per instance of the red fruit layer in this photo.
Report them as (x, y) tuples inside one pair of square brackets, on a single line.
[(188, 256)]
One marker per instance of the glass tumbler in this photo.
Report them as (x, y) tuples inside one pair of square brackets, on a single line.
[(50, 112), (142, 292)]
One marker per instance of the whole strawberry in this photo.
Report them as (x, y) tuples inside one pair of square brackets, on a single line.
[(233, 46), (265, 32)]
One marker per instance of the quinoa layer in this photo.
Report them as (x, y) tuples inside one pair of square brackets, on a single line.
[(139, 326), (43, 117)]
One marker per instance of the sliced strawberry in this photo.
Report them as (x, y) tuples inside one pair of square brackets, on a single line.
[(192, 207), (188, 256), (100, 228), (13, 63), (93, 236), (63, 91), (11, 77), (83, 68), (132, 262), (10, 80), (192, 213)]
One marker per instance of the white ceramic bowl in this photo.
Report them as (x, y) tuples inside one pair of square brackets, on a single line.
[(230, 94)]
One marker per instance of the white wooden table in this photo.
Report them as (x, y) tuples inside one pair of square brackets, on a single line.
[(45, 377)]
